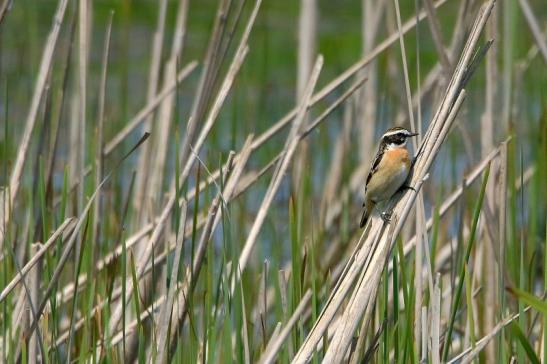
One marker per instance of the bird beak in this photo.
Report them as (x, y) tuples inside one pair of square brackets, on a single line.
[(412, 135)]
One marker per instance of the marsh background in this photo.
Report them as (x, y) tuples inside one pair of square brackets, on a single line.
[(311, 227)]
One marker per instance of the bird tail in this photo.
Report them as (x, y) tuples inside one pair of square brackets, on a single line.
[(368, 206)]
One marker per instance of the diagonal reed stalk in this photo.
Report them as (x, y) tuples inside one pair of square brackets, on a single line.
[(369, 260), (281, 167), (152, 282)]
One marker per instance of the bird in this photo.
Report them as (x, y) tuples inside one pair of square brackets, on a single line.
[(389, 170)]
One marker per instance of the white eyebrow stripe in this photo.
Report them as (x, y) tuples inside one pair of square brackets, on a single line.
[(394, 132)]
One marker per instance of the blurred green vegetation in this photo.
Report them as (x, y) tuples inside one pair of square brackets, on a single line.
[(263, 92)]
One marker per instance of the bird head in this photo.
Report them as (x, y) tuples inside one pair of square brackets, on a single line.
[(396, 137)]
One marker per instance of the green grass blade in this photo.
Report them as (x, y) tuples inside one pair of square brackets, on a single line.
[(517, 332), (528, 298)]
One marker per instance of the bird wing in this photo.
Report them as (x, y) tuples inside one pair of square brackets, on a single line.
[(374, 166)]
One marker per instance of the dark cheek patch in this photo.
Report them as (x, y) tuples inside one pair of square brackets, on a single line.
[(395, 139)]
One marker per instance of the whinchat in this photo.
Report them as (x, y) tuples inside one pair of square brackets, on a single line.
[(389, 170)]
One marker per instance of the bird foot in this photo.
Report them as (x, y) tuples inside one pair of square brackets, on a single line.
[(386, 216), (406, 187)]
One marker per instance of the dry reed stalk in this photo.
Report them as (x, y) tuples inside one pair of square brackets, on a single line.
[(152, 178), (65, 227), (433, 84), (425, 334), (288, 152), (162, 133), (507, 66), (180, 30), (162, 126), (468, 355), (283, 276), (81, 123), (420, 213), (8, 197), (322, 324), (428, 86), (307, 25), (244, 330), (367, 101), (361, 303), (28, 315), (261, 307), (435, 329), (4, 8), (502, 225), (435, 28), (203, 92), (332, 184), (307, 51), (99, 151), (436, 134), (34, 286), (78, 128), (270, 355), (422, 248), (167, 307), (534, 27), (17, 321), (143, 170), (74, 142), (358, 350), (274, 335), (487, 142)]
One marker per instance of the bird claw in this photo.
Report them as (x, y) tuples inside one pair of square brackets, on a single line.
[(406, 187), (386, 216)]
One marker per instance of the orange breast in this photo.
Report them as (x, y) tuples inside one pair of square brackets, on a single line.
[(399, 154), (390, 174)]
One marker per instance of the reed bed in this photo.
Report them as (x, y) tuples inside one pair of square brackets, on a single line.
[(182, 182)]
